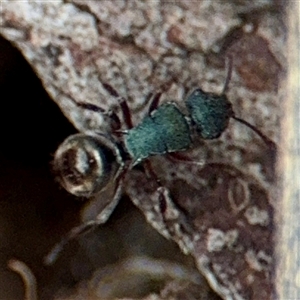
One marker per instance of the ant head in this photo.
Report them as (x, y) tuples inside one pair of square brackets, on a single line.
[(85, 163), (209, 112)]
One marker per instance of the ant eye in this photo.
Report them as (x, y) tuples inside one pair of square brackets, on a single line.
[(84, 164)]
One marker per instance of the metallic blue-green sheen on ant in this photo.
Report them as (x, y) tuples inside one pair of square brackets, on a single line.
[(165, 130), (82, 166), (87, 163), (83, 169), (209, 112)]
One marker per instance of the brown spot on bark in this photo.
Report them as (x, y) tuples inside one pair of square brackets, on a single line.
[(174, 35), (255, 63)]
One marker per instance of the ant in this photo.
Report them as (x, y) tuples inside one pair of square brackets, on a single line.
[(87, 163)]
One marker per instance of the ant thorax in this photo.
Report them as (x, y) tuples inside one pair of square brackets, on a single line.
[(165, 130)]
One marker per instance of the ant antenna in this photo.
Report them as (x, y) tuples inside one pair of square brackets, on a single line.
[(229, 73), (268, 141)]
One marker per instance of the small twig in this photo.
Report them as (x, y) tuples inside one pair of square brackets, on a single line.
[(27, 276)]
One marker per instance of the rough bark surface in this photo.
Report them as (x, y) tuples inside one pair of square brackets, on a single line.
[(221, 213)]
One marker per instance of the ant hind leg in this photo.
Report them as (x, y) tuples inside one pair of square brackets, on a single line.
[(166, 204)]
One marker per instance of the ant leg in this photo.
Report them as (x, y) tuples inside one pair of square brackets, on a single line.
[(116, 125), (150, 172), (166, 204), (154, 102), (178, 157), (101, 218), (160, 189), (123, 104), (156, 98)]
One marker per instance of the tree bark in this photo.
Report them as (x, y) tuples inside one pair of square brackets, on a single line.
[(221, 213)]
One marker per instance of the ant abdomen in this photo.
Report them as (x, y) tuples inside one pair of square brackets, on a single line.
[(85, 163)]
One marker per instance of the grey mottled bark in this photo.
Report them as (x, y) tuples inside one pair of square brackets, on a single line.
[(221, 213)]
